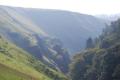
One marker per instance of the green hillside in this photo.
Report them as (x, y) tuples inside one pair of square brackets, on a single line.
[(7, 73), (23, 32), (16, 64)]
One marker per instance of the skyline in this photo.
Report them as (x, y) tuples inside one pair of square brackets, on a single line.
[(92, 7)]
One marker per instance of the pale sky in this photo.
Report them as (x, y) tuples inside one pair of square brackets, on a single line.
[(93, 7)]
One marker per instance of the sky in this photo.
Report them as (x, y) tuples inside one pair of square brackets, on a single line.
[(92, 7)]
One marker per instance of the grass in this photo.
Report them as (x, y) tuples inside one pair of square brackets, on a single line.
[(14, 63), (17, 64), (7, 73)]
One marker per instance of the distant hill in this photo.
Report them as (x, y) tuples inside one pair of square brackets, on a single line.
[(109, 18), (71, 28)]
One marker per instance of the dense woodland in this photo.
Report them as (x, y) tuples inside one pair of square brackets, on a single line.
[(101, 62)]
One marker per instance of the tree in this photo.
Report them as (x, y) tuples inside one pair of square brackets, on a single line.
[(89, 43)]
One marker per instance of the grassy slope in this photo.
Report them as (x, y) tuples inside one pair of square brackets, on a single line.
[(7, 73), (14, 57), (14, 64)]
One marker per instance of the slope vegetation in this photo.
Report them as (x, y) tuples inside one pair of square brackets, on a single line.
[(16, 64), (7, 73), (101, 62)]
